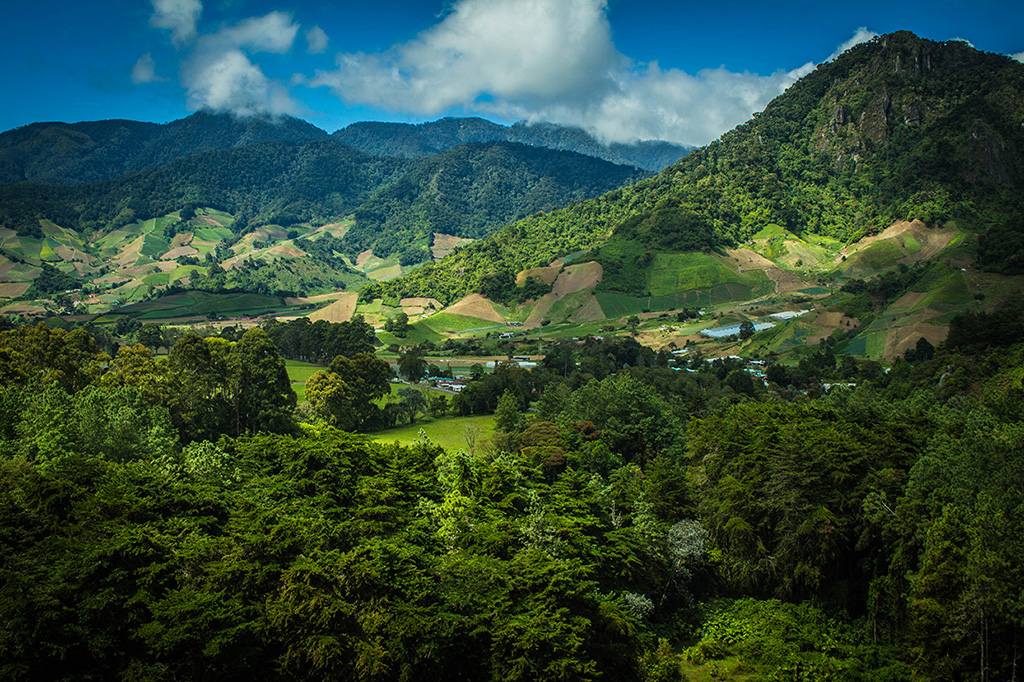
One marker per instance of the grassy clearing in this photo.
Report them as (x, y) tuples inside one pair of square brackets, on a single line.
[(213, 234), (299, 373), (418, 332), (450, 322), (202, 303), (674, 272), (880, 256), (448, 432)]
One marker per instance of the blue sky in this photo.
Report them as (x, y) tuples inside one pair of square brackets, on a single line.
[(623, 69)]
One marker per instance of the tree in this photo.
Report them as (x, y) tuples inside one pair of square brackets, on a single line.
[(151, 335), (746, 329), (412, 401), (506, 416), (412, 366), (398, 325), (331, 399), (264, 399)]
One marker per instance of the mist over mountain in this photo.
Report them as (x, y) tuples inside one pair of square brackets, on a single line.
[(57, 153)]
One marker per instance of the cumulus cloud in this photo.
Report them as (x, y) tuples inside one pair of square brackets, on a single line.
[(553, 60), (219, 74), (228, 81), (1019, 57), (177, 16), (861, 35), (274, 32), (144, 70), (316, 39), (526, 50)]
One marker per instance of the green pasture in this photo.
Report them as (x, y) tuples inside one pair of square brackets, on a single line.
[(448, 432), (157, 279), (298, 374), (212, 234), (203, 303), (154, 246), (450, 322), (673, 272), (880, 256)]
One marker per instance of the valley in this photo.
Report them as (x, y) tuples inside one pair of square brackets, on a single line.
[(462, 400)]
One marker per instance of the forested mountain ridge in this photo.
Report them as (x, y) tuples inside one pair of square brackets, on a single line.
[(897, 128), (73, 153), (426, 139), (56, 153), (270, 182), (471, 190), (468, 191)]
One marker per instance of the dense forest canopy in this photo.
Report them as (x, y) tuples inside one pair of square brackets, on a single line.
[(169, 518)]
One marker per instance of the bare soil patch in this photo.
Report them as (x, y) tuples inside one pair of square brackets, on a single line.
[(475, 305), (339, 311), (7, 233), (130, 253), (930, 240), (319, 298), (290, 251), (443, 244), (590, 311), (420, 301), (536, 315), (22, 309), (577, 278), (13, 289), (548, 274), (827, 322), (210, 221), (899, 339), (381, 274), (908, 300), (362, 258), (182, 239), (747, 260), (178, 252)]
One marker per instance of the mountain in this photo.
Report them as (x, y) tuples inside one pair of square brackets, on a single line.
[(270, 182), (898, 128), (471, 190), (72, 153), (427, 139), (468, 191)]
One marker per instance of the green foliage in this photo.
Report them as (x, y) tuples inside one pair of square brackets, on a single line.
[(52, 281), (472, 190)]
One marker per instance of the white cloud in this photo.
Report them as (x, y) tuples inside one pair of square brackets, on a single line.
[(274, 32), (220, 75), (177, 16), (228, 81), (526, 50), (1019, 57), (144, 70), (861, 35), (552, 60), (317, 40)]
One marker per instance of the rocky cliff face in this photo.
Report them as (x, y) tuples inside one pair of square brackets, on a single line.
[(902, 88)]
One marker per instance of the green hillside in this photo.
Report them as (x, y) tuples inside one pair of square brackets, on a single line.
[(899, 128)]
